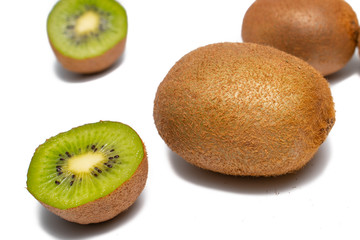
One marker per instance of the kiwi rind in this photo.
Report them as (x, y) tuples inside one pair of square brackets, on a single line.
[(321, 32), (244, 109), (91, 65), (114, 196), (96, 51)]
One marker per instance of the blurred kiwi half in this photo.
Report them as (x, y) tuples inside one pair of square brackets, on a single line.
[(87, 36)]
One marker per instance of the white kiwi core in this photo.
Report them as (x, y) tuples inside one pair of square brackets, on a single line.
[(87, 23), (84, 162)]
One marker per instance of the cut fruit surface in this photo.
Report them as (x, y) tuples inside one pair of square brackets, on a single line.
[(84, 164)]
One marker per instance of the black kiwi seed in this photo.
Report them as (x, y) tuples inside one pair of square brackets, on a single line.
[(57, 182), (71, 183), (68, 154), (59, 170)]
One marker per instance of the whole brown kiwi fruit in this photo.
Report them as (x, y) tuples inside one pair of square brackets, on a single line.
[(244, 109), (321, 32)]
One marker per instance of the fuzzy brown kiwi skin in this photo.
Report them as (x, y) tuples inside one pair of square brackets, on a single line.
[(110, 206), (358, 43), (321, 32), (91, 65), (214, 110)]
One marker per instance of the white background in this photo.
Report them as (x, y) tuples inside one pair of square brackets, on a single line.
[(39, 99)]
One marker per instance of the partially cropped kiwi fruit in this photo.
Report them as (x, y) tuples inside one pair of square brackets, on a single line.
[(87, 36), (90, 173), (321, 32), (244, 109)]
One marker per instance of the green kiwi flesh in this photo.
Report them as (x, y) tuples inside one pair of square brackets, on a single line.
[(84, 164), (81, 29)]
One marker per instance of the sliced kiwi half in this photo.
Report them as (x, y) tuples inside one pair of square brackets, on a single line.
[(87, 35), (103, 163)]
